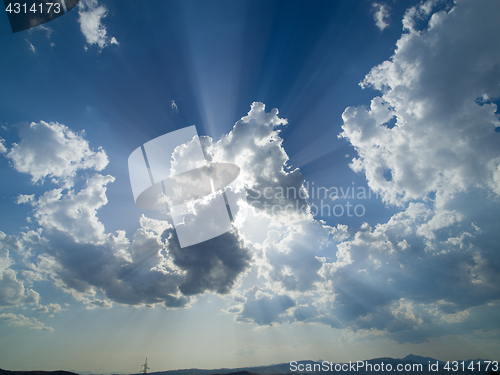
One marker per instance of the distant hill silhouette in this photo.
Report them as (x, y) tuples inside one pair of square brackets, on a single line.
[(285, 369), (239, 373), (8, 372), (419, 359)]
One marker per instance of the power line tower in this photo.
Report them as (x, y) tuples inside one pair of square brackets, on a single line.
[(145, 367)]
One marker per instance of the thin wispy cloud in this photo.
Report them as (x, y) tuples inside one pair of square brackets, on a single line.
[(31, 47), (174, 107), (381, 15), (20, 320)]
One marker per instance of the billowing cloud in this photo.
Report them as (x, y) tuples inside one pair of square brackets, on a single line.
[(426, 144), (54, 151), (74, 213), (404, 276), (90, 15), (12, 290), (100, 268), (254, 145), (438, 88), (126, 272), (213, 265), (433, 264), (432, 267)]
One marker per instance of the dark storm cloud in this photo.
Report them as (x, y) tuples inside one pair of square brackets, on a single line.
[(87, 268), (213, 265)]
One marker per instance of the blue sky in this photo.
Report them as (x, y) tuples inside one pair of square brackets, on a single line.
[(396, 100)]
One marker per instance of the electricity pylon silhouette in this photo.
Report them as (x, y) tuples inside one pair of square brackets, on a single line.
[(145, 367)]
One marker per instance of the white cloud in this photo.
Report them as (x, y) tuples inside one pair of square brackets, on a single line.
[(52, 150), (50, 308), (264, 308), (96, 303), (421, 12), (9, 242), (381, 15), (31, 46), (12, 290), (254, 145), (444, 141), (175, 109), (23, 321), (3, 149), (430, 264), (434, 261), (82, 259), (74, 213), (425, 272), (90, 18)]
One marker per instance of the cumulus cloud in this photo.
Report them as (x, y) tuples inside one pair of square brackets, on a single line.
[(431, 267), (83, 260), (90, 15), (104, 304), (50, 308), (74, 213), (381, 15), (435, 261), (444, 141), (265, 308), (52, 150), (429, 270), (126, 272), (398, 277), (213, 265), (255, 146), (3, 149), (418, 14), (12, 290), (23, 321), (74, 250), (151, 268), (291, 254)]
